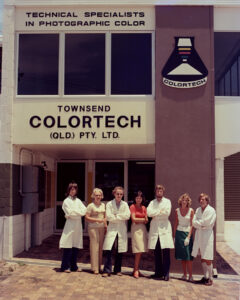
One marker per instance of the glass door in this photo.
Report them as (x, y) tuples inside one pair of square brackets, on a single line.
[(108, 175), (141, 177)]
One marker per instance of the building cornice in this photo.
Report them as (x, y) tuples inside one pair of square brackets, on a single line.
[(121, 2)]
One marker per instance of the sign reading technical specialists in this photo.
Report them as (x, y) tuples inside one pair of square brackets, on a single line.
[(86, 123), (184, 68), (85, 19)]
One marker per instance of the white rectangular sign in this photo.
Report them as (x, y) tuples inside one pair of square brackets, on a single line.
[(82, 19), (84, 123)]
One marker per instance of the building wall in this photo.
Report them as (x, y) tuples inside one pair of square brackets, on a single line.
[(185, 117), (16, 232), (191, 138)]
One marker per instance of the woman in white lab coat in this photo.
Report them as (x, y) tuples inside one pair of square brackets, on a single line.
[(117, 213), (160, 234), (204, 220), (72, 238)]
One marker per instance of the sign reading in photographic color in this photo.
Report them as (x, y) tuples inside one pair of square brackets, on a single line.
[(118, 18)]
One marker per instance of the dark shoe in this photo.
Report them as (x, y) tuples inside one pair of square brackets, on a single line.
[(202, 281), (156, 276), (209, 282)]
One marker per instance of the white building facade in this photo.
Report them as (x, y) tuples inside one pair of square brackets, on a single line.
[(85, 97)]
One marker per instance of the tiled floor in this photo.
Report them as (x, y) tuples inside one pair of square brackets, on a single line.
[(45, 282), (40, 278)]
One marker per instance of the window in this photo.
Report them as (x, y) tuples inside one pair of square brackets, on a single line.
[(38, 64), (90, 64), (131, 64), (84, 64), (227, 63), (68, 172)]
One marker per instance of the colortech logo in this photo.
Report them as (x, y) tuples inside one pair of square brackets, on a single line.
[(184, 68)]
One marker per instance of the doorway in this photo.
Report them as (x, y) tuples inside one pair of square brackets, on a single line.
[(132, 175), (109, 174), (68, 172)]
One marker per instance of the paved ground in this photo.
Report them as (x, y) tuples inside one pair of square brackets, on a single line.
[(37, 276)]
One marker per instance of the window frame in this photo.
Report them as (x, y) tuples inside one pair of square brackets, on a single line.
[(61, 67), (226, 20), (17, 65), (225, 96)]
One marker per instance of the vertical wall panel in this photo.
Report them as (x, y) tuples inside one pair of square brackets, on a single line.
[(185, 151)]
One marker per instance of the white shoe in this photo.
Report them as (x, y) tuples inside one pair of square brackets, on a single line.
[(184, 277), (190, 279)]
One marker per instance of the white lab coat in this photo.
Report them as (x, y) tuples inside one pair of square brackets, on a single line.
[(117, 218), (72, 236), (204, 221), (160, 226)]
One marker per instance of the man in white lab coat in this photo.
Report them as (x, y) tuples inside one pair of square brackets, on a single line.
[(117, 213), (160, 234), (204, 220)]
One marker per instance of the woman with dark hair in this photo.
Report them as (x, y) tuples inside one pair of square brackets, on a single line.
[(138, 230), (72, 238)]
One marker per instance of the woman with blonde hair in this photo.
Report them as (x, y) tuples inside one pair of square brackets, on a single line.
[(183, 234), (97, 226)]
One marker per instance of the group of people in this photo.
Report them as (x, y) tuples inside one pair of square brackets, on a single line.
[(107, 229)]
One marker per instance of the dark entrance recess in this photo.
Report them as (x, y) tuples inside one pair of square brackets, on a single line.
[(66, 173), (107, 176), (141, 176)]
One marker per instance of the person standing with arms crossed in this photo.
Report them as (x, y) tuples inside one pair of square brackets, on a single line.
[(117, 213), (160, 234), (72, 237), (204, 220)]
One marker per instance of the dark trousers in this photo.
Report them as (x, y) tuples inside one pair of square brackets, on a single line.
[(108, 260), (69, 259), (162, 260)]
